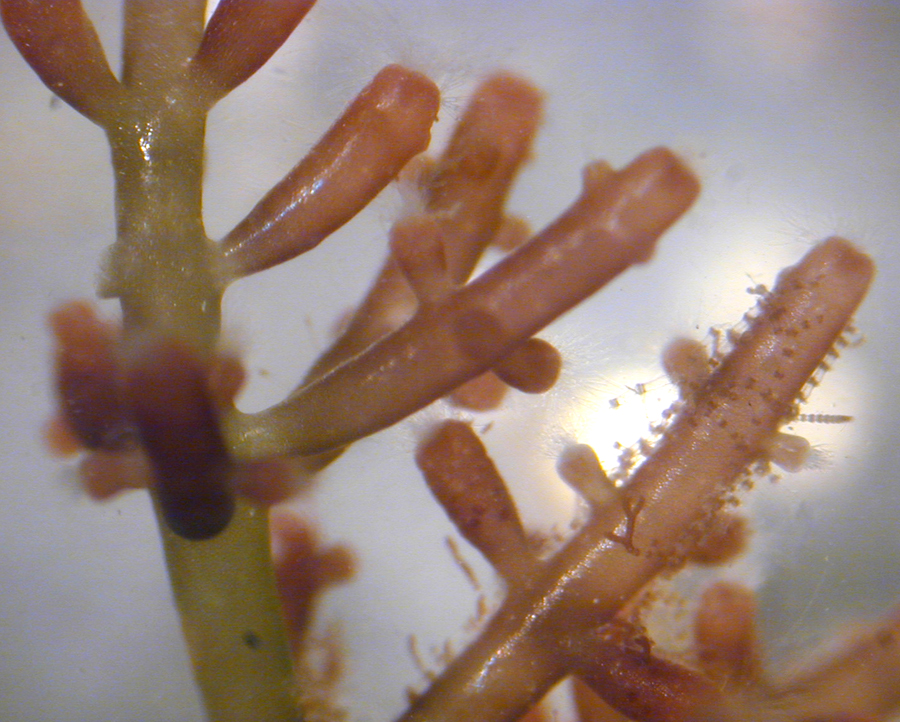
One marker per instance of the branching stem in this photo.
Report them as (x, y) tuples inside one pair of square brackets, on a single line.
[(523, 651)]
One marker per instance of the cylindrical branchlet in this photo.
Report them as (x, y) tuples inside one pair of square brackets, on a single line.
[(388, 123), (465, 481), (462, 196), (239, 38), (614, 224), (580, 468), (617, 662), (720, 431), (60, 43)]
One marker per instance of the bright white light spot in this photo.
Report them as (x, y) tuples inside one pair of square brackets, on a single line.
[(621, 413)]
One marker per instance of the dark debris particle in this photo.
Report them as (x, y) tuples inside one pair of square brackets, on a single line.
[(252, 639)]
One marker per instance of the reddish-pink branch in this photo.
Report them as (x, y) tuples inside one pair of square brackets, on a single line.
[(467, 188), (466, 483), (388, 123), (59, 42), (725, 635), (720, 431), (87, 377), (304, 569), (240, 38), (617, 662), (462, 196), (614, 224)]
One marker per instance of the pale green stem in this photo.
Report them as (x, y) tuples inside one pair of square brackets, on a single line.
[(165, 271), (159, 38), (231, 617)]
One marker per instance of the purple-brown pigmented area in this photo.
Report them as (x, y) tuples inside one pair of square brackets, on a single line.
[(166, 388)]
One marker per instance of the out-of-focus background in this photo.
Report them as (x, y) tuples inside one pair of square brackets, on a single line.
[(787, 110)]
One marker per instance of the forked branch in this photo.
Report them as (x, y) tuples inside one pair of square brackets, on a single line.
[(723, 427), (614, 224)]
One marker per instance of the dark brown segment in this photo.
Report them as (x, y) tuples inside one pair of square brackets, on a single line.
[(619, 665), (166, 387)]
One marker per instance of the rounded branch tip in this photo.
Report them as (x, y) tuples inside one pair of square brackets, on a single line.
[(687, 364), (725, 633), (580, 468), (387, 124), (663, 186), (532, 367), (466, 483)]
